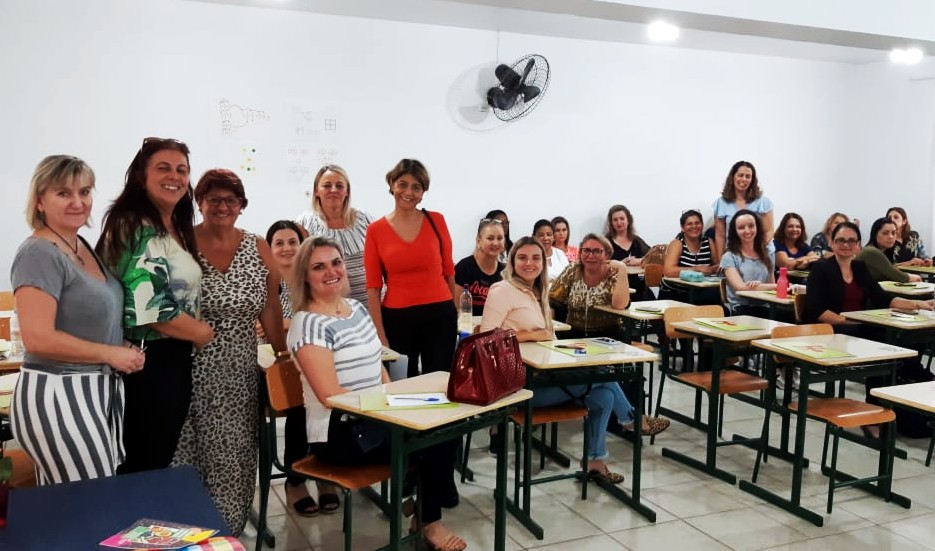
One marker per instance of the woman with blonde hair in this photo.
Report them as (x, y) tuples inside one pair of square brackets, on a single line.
[(821, 241)]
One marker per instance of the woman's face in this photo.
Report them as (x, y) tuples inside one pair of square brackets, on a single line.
[(332, 190), (167, 179), (693, 227), (886, 236), (793, 230), (326, 274), (220, 208), (67, 206), (544, 235), (742, 179), (285, 245), (527, 263), (746, 228), (560, 234), (845, 244), (408, 192), (620, 222), (491, 240), (592, 254), (896, 218)]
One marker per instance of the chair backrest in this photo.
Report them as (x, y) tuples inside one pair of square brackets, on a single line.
[(7, 300), (284, 385), (798, 307), (684, 313), (655, 255), (653, 273), (806, 330), (5, 328), (722, 287)]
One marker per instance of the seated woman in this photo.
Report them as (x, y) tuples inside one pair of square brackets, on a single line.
[(556, 260), (746, 264), (337, 349), (910, 251), (561, 236), (791, 250), (594, 280), (519, 302), (879, 254), (627, 246), (821, 241), (482, 269), (690, 250), (497, 214)]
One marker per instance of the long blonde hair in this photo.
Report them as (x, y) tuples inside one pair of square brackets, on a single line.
[(348, 212), (299, 288), (540, 287)]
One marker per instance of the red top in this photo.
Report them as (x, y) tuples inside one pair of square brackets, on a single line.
[(853, 297), (414, 271)]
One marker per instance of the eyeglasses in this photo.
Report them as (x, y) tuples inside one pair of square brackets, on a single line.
[(215, 201), (848, 242), (160, 141), (595, 252), (491, 221)]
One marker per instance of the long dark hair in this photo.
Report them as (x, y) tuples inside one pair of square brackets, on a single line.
[(875, 229), (906, 229), (780, 236), (733, 238), (132, 209), (729, 194)]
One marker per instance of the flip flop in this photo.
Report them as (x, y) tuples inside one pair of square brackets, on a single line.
[(329, 503), (606, 475), (306, 507)]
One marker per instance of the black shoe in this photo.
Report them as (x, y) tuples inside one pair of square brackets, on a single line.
[(451, 499), (496, 443)]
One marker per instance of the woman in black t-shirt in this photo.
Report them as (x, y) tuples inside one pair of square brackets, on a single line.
[(482, 269)]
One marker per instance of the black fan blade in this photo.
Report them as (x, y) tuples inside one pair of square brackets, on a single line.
[(529, 67), (507, 77), (499, 99), (530, 92)]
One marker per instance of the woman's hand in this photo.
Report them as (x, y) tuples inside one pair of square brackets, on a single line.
[(925, 304), (126, 359), (752, 285), (927, 262), (915, 278), (203, 335), (617, 264), (632, 261), (259, 330)]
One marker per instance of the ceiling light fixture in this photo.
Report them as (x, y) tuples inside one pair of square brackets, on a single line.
[(907, 56), (660, 31)]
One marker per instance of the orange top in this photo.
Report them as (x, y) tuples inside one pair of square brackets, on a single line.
[(415, 272)]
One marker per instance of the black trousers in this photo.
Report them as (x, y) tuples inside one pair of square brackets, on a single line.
[(296, 441), (435, 463), (157, 400), (426, 333)]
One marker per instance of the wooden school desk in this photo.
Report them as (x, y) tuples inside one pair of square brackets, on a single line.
[(697, 290), (915, 396)]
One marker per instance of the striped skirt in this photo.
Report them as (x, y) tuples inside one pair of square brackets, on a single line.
[(71, 425)]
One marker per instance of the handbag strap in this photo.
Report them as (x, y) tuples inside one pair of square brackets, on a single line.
[(438, 236)]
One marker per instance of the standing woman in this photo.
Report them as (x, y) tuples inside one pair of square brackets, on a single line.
[(562, 236), (239, 287), (67, 409), (555, 259), (690, 250), (409, 250), (821, 242), (746, 264), (332, 216), (742, 191), (911, 249), (482, 269), (791, 250), (880, 253), (148, 241)]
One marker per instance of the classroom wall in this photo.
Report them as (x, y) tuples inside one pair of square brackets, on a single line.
[(655, 128)]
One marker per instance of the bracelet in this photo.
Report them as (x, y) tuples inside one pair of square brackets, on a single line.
[(281, 353)]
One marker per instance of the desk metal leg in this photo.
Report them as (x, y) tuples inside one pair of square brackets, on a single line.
[(500, 495), (397, 473), (522, 512)]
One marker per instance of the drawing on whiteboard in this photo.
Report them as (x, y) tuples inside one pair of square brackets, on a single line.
[(234, 116), (299, 164), (327, 155), (331, 125), (248, 159), (311, 123)]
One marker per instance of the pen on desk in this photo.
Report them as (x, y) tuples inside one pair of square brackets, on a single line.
[(416, 399), (569, 346)]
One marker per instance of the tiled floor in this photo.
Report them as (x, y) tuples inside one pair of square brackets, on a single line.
[(693, 510)]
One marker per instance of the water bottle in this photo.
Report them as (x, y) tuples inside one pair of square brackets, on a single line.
[(465, 313), (782, 283), (16, 338)]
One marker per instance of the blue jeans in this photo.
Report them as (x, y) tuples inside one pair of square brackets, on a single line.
[(603, 399)]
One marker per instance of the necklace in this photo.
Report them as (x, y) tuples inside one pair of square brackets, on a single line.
[(327, 307), (74, 249)]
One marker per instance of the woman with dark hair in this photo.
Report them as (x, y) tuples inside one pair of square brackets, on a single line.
[(497, 214), (910, 251), (879, 254), (746, 264), (821, 241), (555, 259), (742, 191), (148, 242), (690, 250), (240, 286), (482, 269), (562, 236), (332, 216), (791, 250)]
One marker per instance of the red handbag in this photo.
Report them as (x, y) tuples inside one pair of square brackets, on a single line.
[(487, 366)]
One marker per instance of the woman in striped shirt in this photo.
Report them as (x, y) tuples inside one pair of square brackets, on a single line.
[(690, 250)]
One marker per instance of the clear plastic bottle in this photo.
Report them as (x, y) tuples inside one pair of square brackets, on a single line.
[(782, 283), (16, 337), (465, 313)]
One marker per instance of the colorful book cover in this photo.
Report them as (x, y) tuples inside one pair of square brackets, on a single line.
[(156, 534), (724, 324), (813, 350)]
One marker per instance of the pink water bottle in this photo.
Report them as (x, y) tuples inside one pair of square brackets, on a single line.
[(782, 284)]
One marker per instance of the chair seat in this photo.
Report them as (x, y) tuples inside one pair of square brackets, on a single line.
[(350, 477), (847, 413), (551, 414), (731, 381), (24, 470)]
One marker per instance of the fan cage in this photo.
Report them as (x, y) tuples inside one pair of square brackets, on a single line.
[(538, 77)]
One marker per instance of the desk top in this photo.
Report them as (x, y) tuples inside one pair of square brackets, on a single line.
[(704, 284), (7, 384), (928, 270), (558, 326), (800, 274), (78, 515), (908, 289), (859, 350), (420, 419), (763, 328), (540, 357), (915, 395), (767, 296), (866, 316), (635, 270), (633, 311)]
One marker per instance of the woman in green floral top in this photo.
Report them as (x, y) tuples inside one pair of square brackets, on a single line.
[(148, 241)]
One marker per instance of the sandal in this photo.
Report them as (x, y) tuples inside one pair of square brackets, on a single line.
[(306, 507), (606, 475), (654, 425), (329, 503)]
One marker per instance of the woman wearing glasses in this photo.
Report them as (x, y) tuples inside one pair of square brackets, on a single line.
[(148, 241), (594, 280), (333, 217), (821, 241), (240, 286), (880, 253), (482, 269)]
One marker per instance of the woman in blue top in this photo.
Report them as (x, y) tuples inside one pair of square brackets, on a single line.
[(791, 250), (741, 191), (746, 264)]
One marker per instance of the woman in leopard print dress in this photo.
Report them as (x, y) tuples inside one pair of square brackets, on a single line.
[(239, 286)]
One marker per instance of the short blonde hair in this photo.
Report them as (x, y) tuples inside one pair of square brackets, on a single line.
[(349, 213), (54, 171)]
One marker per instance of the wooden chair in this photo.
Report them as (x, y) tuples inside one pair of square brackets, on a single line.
[(798, 307), (722, 287), (7, 301), (281, 389), (652, 274), (837, 414), (550, 416), (24, 470)]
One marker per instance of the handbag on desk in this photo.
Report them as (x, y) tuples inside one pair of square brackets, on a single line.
[(487, 366)]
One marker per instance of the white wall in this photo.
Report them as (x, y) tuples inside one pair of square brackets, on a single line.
[(654, 128)]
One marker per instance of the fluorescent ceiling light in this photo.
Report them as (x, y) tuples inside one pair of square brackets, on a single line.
[(660, 31), (907, 56)]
